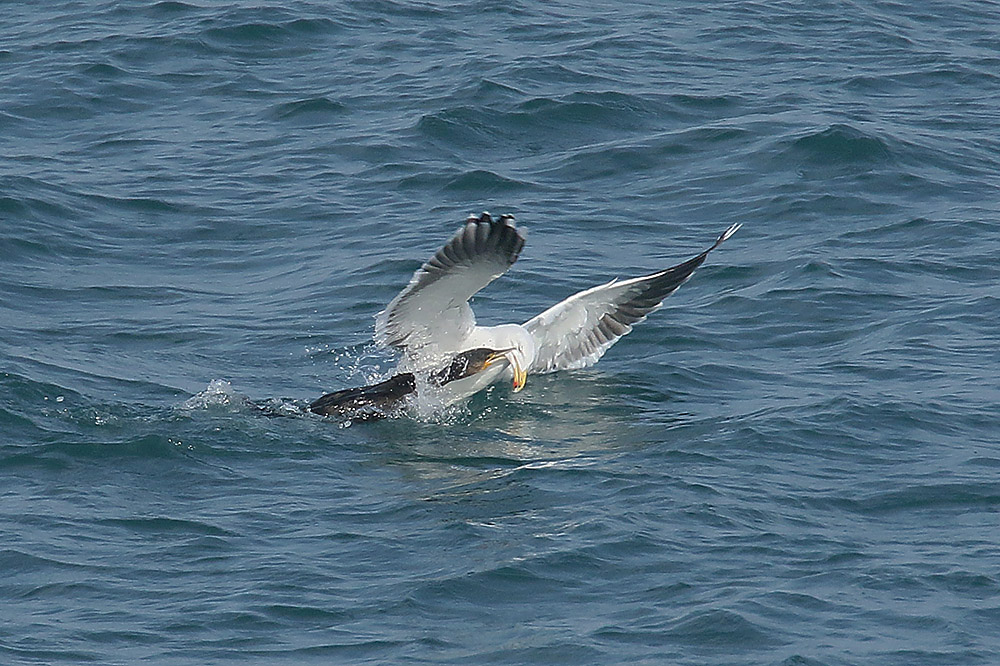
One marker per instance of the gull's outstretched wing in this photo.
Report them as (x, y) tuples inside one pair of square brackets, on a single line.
[(433, 310), (576, 332)]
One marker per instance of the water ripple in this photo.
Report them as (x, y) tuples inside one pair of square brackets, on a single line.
[(202, 207)]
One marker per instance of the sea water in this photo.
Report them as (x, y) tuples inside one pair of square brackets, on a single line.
[(796, 461)]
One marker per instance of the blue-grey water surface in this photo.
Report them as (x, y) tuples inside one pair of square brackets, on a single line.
[(796, 461)]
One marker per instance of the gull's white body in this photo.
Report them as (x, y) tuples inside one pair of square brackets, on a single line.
[(430, 320)]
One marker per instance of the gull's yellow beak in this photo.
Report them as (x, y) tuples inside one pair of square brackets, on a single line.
[(511, 356), (520, 373)]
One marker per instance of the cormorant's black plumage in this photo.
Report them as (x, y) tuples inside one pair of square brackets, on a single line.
[(389, 397)]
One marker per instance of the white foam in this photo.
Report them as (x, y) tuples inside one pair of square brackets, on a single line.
[(218, 393)]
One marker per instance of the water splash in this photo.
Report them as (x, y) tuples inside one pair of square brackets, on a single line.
[(218, 393)]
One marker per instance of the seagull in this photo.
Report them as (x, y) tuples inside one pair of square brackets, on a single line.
[(430, 321)]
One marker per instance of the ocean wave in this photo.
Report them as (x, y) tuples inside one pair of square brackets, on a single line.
[(971, 495), (265, 28), (803, 440), (842, 144), (312, 111), (484, 181), (570, 119), (658, 155), (706, 630)]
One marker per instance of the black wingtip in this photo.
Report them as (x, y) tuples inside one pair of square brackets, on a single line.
[(500, 232), (725, 235), (665, 282), (485, 216)]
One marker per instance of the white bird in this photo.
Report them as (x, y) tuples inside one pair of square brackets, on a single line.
[(431, 321)]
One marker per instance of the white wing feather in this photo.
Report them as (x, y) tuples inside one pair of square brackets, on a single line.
[(578, 331), (432, 311)]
